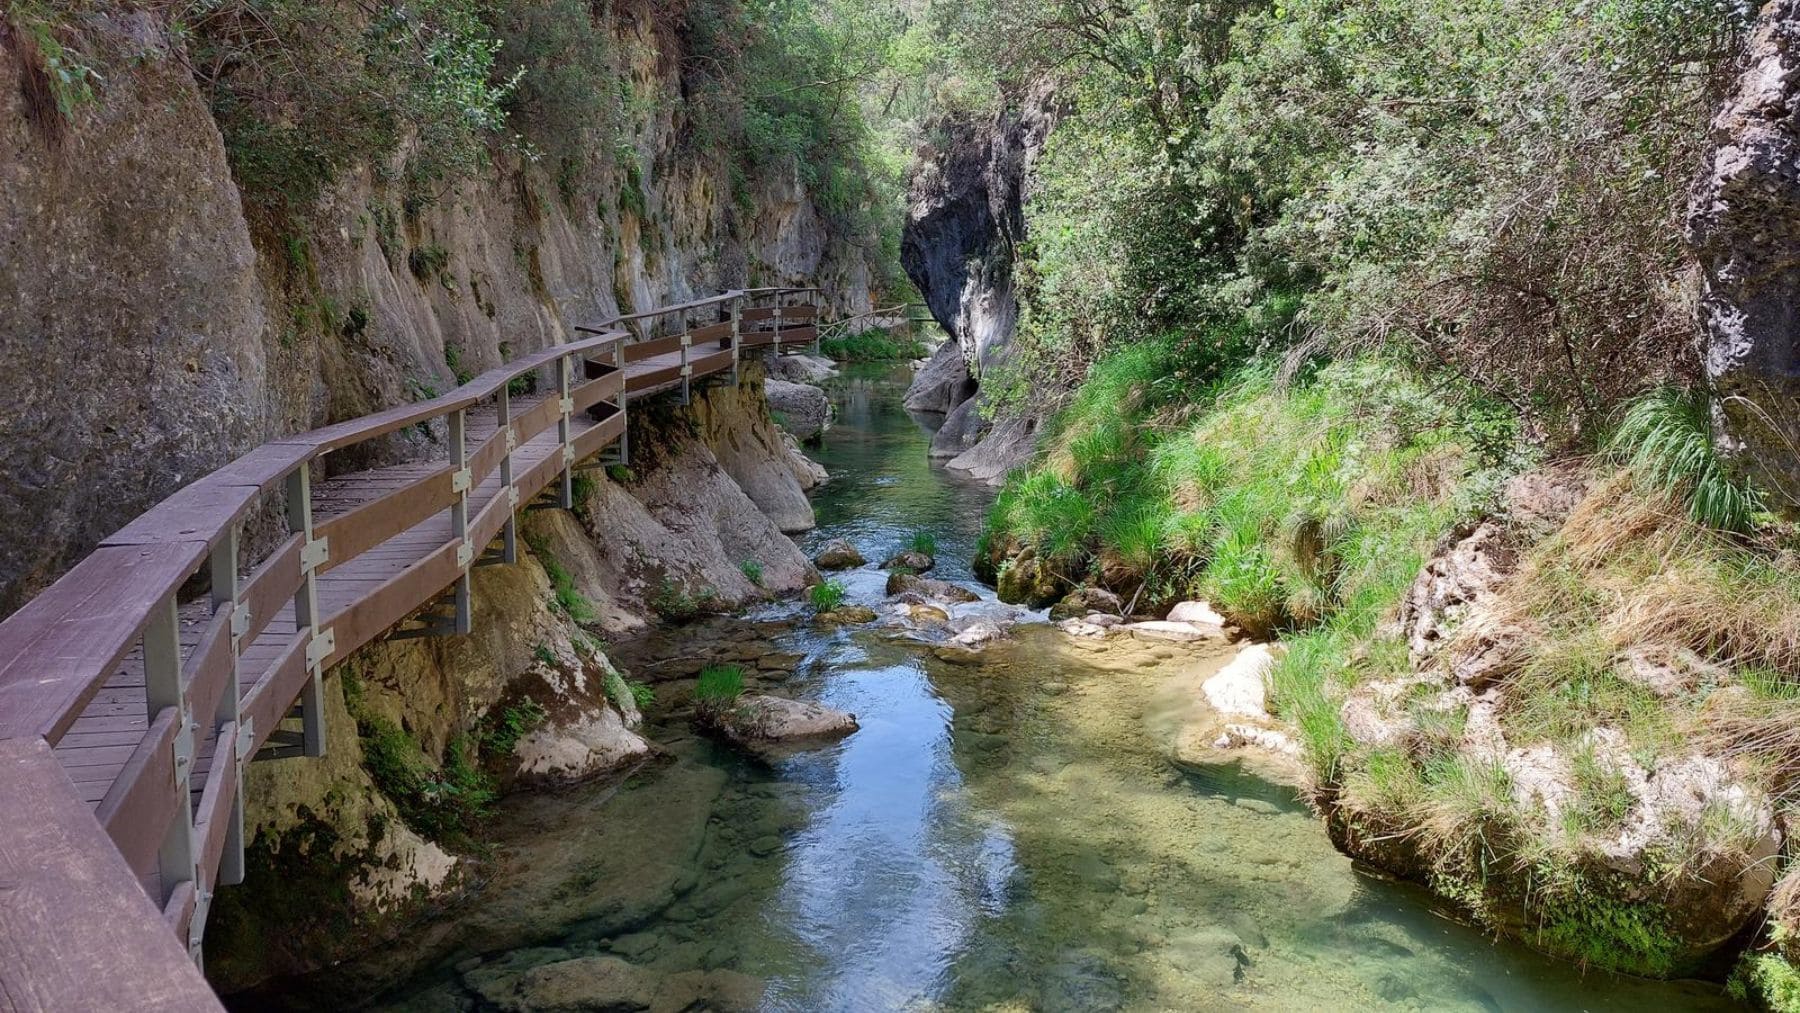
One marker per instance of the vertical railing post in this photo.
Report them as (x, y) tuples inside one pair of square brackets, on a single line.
[(509, 535), (313, 554), (624, 398), (687, 369), (777, 319), (737, 328), (162, 690), (818, 301), (226, 714), (460, 482), (565, 431)]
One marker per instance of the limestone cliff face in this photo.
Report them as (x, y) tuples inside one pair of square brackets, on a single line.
[(155, 335), (965, 218), (1744, 224)]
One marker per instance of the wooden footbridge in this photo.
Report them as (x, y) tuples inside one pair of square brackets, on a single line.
[(134, 690)]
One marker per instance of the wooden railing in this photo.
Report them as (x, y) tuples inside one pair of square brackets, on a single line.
[(123, 740)]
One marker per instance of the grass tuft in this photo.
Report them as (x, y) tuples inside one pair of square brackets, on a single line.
[(826, 595), (1666, 438)]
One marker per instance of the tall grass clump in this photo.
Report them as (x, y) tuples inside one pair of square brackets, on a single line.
[(1666, 438), (717, 690), (826, 595)]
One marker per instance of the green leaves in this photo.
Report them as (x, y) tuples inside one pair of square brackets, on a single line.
[(1666, 437)]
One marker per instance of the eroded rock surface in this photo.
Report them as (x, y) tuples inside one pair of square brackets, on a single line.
[(1743, 225)]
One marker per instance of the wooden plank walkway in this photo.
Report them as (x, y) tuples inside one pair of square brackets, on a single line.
[(139, 709)]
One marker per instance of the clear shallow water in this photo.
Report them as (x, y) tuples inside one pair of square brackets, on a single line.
[(1002, 837)]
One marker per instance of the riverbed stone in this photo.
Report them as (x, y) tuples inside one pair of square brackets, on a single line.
[(573, 750), (1026, 580), (846, 614), (917, 562), (940, 590), (838, 554), (760, 718), (1195, 613), (1180, 633), (1084, 600)]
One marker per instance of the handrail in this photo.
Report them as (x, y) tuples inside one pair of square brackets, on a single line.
[(66, 644)]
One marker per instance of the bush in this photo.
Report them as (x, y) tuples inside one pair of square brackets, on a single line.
[(923, 542), (826, 595)]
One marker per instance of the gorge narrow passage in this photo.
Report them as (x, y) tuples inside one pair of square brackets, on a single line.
[(1003, 835)]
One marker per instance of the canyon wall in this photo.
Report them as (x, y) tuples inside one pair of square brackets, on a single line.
[(159, 331), (965, 218)]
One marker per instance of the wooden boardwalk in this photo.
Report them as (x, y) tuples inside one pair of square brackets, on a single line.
[(128, 711)]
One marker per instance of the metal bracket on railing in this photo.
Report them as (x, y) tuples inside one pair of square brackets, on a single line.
[(240, 620), (512, 498), (512, 439), (568, 405), (465, 554), (461, 480), (315, 553), (246, 740), (319, 648)]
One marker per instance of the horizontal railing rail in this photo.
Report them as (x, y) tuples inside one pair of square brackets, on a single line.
[(152, 726)]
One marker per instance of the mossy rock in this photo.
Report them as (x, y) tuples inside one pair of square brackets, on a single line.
[(1027, 581)]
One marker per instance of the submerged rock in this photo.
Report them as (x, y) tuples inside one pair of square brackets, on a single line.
[(838, 554), (939, 590), (1181, 633), (758, 718), (847, 614)]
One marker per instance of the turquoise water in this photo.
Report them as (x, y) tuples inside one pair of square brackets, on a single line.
[(1006, 836)]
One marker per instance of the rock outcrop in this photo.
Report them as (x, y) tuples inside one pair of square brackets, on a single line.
[(1743, 224), (166, 333), (799, 408), (965, 217), (758, 719)]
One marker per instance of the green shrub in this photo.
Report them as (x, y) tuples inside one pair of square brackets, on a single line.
[(1768, 979), (753, 571), (826, 595), (439, 802), (675, 604)]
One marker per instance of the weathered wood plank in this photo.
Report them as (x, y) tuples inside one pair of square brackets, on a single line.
[(77, 932), (270, 589), (352, 533), (57, 650), (144, 796), (641, 350)]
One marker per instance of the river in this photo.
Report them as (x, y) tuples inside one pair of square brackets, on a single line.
[(1004, 836)]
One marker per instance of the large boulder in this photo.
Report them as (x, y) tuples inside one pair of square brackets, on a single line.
[(799, 408), (580, 748), (917, 562), (942, 383), (1743, 224), (1027, 580)]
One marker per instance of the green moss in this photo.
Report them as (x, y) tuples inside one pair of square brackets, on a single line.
[(440, 801), (1576, 920), (752, 570), (1768, 980)]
